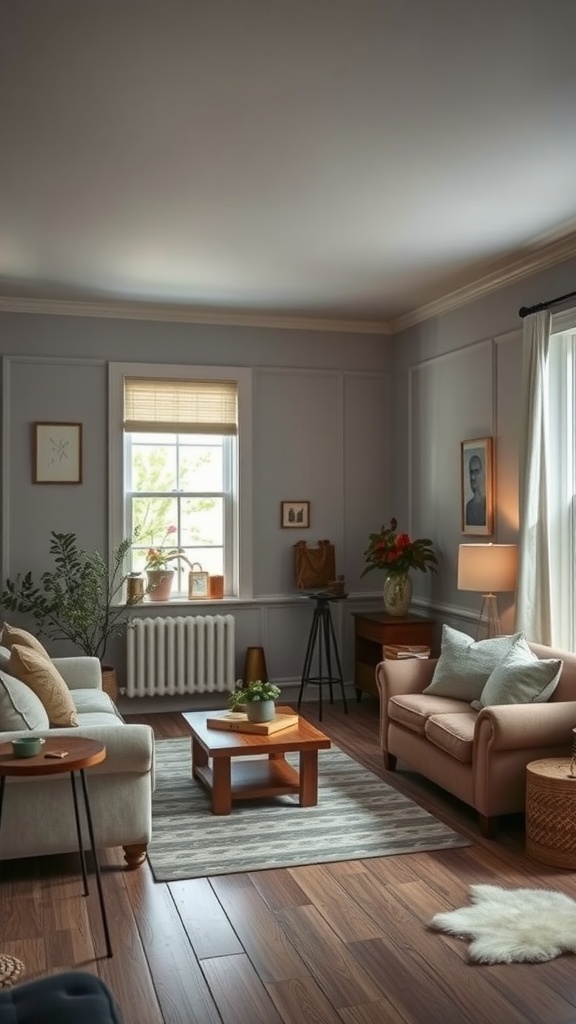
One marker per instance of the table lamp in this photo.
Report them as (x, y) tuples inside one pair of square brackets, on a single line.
[(488, 569)]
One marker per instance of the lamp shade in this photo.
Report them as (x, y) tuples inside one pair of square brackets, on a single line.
[(487, 568)]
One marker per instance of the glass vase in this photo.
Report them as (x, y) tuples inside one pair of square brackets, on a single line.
[(397, 593)]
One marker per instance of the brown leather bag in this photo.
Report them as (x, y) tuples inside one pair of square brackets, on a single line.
[(315, 566)]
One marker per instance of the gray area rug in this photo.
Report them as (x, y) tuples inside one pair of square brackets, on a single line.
[(357, 816)]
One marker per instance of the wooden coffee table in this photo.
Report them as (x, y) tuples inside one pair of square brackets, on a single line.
[(227, 780)]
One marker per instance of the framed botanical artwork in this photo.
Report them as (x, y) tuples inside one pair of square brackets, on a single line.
[(295, 515), (197, 586), (57, 453), (477, 487)]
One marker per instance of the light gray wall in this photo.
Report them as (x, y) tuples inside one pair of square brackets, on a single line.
[(363, 427), (320, 429), (456, 377)]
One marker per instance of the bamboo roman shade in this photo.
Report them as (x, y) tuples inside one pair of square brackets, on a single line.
[(180, 406)]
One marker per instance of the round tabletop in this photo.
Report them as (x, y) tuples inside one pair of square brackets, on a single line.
[(551, 768), (78, 753)]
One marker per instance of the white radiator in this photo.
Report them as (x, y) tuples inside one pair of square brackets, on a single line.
[(184, 654)]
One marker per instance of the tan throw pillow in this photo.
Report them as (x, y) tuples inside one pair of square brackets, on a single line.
[(13, 635), (41, 676)]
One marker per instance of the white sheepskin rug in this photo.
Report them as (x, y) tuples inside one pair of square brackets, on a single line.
[(513, 925)]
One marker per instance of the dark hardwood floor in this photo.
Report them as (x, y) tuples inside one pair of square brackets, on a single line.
[(344, 942)]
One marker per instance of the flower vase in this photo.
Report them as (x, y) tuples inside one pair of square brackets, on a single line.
[(159, 584), (260, 710), (397, 593)]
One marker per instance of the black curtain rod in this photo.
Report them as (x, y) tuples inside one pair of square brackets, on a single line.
[(526, 310)]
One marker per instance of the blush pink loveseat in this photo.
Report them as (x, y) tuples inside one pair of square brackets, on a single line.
[(478, 756)]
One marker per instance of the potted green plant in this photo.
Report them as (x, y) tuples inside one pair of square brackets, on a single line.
[(259, 699), (80, 600)]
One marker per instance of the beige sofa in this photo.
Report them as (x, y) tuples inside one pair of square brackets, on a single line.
[(38, 815), (478, 756)]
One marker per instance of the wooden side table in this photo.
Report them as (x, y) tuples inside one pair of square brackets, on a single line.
[(551, 812), (372, 630), (80, 754)]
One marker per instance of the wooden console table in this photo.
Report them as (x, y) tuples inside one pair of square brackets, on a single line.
[(374, 629)]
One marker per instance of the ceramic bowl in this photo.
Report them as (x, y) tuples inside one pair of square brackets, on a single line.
[(27, 746)]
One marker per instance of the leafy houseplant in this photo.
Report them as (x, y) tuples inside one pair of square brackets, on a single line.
[(252, 692), (77, 600), (397, 552)]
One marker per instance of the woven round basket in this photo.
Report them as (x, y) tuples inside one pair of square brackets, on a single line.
[(551, 812), (10, 970)]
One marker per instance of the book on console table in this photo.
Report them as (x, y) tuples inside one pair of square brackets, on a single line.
[(397, 652), (235, 721)]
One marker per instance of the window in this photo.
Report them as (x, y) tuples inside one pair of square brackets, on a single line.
[(180, 482)]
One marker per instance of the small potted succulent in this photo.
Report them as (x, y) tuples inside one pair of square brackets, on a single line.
[(258, 698)]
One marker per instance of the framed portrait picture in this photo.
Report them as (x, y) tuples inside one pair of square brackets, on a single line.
[(477, 490), (295, 515), (57, 453), (197, 586)]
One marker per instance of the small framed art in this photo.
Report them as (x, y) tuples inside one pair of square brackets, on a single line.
[(295, 515), (57, 453), (477, 492), (197, 586)]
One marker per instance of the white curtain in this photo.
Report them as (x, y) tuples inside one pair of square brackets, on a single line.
[(533, 601)]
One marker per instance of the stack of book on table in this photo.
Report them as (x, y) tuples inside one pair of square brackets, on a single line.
[(235, 721), (397, 652)]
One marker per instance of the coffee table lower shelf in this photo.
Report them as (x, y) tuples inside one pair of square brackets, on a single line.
[(250, 779), (229, 780)]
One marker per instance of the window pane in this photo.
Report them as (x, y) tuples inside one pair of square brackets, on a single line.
[(154, 525), (154, 466), (200, 466), (202, 522)]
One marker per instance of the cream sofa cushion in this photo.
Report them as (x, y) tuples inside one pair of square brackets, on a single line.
[(13, 635), (44, 679), (464, 665), (20, 708), (521, 678)]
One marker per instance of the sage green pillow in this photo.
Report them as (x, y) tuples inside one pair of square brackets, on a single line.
[(521, 678), (464, 665)]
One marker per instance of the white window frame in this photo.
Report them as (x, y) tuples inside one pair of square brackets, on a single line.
[(241, 584)]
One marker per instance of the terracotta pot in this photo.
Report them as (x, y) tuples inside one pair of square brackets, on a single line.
[(160, 582)]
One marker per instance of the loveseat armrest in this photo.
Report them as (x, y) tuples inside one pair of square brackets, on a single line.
[(524, 726), (412, 675), (80, 673), (395, 678)]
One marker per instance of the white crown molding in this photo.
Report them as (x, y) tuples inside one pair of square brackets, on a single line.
[(185, 314), (542, 257), (515, 270)]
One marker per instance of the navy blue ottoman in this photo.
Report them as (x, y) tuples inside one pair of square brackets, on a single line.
[(64, 999)]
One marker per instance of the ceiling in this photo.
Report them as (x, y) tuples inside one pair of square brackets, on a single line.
[(327, 160)]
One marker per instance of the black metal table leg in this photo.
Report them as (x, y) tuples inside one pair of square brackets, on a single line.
[(96, 863)]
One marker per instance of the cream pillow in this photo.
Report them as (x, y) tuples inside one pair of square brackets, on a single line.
[(465, 664), (13, 635), (20, 708), (45, 680), (521, 678)]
